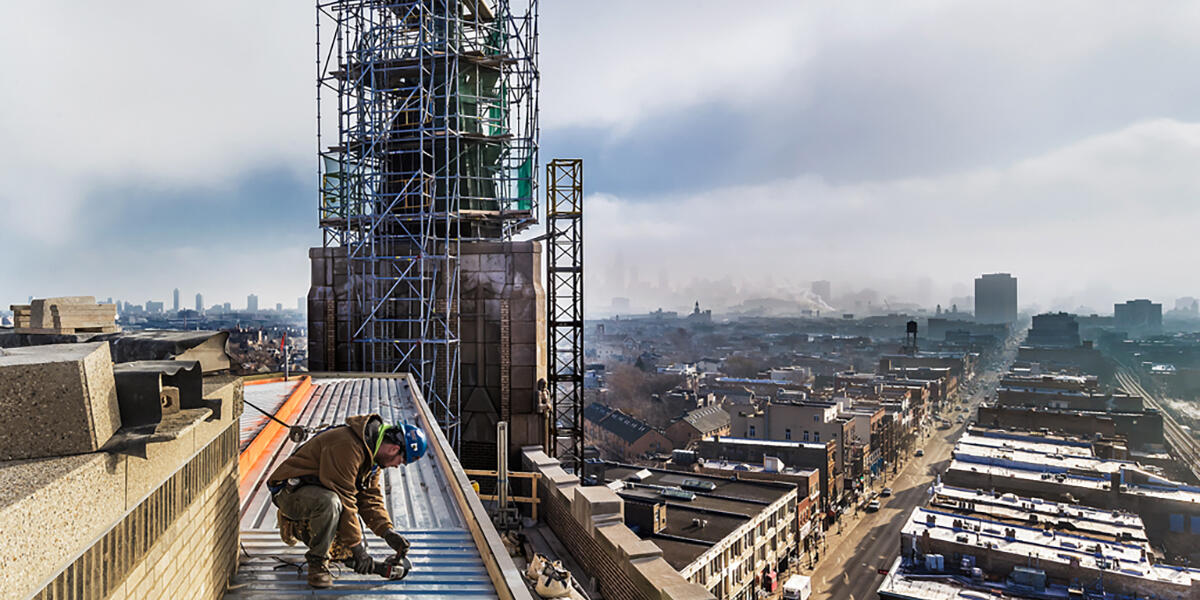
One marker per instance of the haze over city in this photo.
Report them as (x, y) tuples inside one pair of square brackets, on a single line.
[(758, 150), (536, 299)]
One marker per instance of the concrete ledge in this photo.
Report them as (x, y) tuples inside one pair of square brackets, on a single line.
[(612, 553), (54, 509), (597, 506)]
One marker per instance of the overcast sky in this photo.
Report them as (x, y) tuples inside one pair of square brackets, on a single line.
[(906, 147)]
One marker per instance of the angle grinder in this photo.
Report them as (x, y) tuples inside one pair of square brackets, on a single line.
[(394, 567)]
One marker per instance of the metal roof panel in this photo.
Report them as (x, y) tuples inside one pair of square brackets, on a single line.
[(447, 562)]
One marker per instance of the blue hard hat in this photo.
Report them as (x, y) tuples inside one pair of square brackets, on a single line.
[(415, 443)]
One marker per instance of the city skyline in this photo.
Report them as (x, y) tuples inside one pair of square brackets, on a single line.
[(200, 301), (1000, 154)]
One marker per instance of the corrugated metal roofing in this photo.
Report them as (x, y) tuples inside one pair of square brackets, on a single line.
[(267, 396), (708, 419), (446, 560)]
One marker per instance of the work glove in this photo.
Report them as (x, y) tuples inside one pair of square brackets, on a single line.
[(397, 542), (363, 563)]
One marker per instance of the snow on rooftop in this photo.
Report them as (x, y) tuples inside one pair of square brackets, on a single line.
[(1045, 546)]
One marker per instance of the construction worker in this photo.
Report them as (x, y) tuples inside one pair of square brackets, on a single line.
[(331, 480)]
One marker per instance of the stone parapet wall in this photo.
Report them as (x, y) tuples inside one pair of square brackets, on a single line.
[(100, 525), (590, 522)]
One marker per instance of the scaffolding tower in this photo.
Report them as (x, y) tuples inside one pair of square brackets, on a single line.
[(436, 144), (564, 269)]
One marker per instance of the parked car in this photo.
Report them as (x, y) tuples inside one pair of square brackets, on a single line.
[(919, 452), (885, 492), (873, 506)]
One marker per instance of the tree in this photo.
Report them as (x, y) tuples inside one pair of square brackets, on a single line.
[(741, 366)]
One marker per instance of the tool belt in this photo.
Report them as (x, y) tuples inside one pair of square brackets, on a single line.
[(291, 484)]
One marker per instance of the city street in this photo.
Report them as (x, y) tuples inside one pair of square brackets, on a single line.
[(869, 542)]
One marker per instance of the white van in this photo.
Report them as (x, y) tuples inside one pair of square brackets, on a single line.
[(797, 587)]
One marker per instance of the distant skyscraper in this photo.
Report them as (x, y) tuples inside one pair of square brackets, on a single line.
[(199, 303), (1187, 304), (996, 298), (823, 290), (176, 299), (300, 304), (252, 303), (228, 307), (1054, 330), (1138, 316), (278, 307)]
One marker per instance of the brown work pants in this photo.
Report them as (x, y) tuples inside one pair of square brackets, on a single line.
[(319, 509)]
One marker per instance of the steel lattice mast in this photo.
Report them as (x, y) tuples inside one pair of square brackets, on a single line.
[(564, 269)]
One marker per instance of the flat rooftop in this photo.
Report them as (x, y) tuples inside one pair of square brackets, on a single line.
[(734, 467), (900, 584), (749, 494), (1110, 524), (694, 526), (1178, 493), (772, 443), (1064, 480), (1049, 547)]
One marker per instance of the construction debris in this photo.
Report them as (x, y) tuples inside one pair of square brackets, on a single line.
[(56, 400), (65, 315)]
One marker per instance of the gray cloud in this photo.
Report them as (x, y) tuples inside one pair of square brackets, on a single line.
[(755, 149)]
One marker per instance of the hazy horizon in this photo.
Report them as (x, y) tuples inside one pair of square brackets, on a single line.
[(905, 149)]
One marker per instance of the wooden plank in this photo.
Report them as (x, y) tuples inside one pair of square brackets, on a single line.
[(517, 474), (525, 499)]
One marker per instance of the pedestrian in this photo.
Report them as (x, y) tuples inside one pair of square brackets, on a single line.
[(331, 480)]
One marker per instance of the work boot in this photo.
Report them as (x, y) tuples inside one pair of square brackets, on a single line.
[(319, 576)]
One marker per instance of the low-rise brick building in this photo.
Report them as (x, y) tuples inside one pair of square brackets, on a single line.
[(734, 537), (698, 424), (620, 435)]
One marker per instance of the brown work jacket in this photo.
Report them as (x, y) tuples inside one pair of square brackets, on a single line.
[(343, 461)]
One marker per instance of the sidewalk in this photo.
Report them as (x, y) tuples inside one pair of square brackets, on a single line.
[(850, 520)]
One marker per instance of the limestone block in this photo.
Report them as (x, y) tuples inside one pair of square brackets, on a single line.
[(40, 308), (556, 477), (596, 506), (52, 509), (621, 542), (657, 579), (534, 458), (226, 393), (56, 400)]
